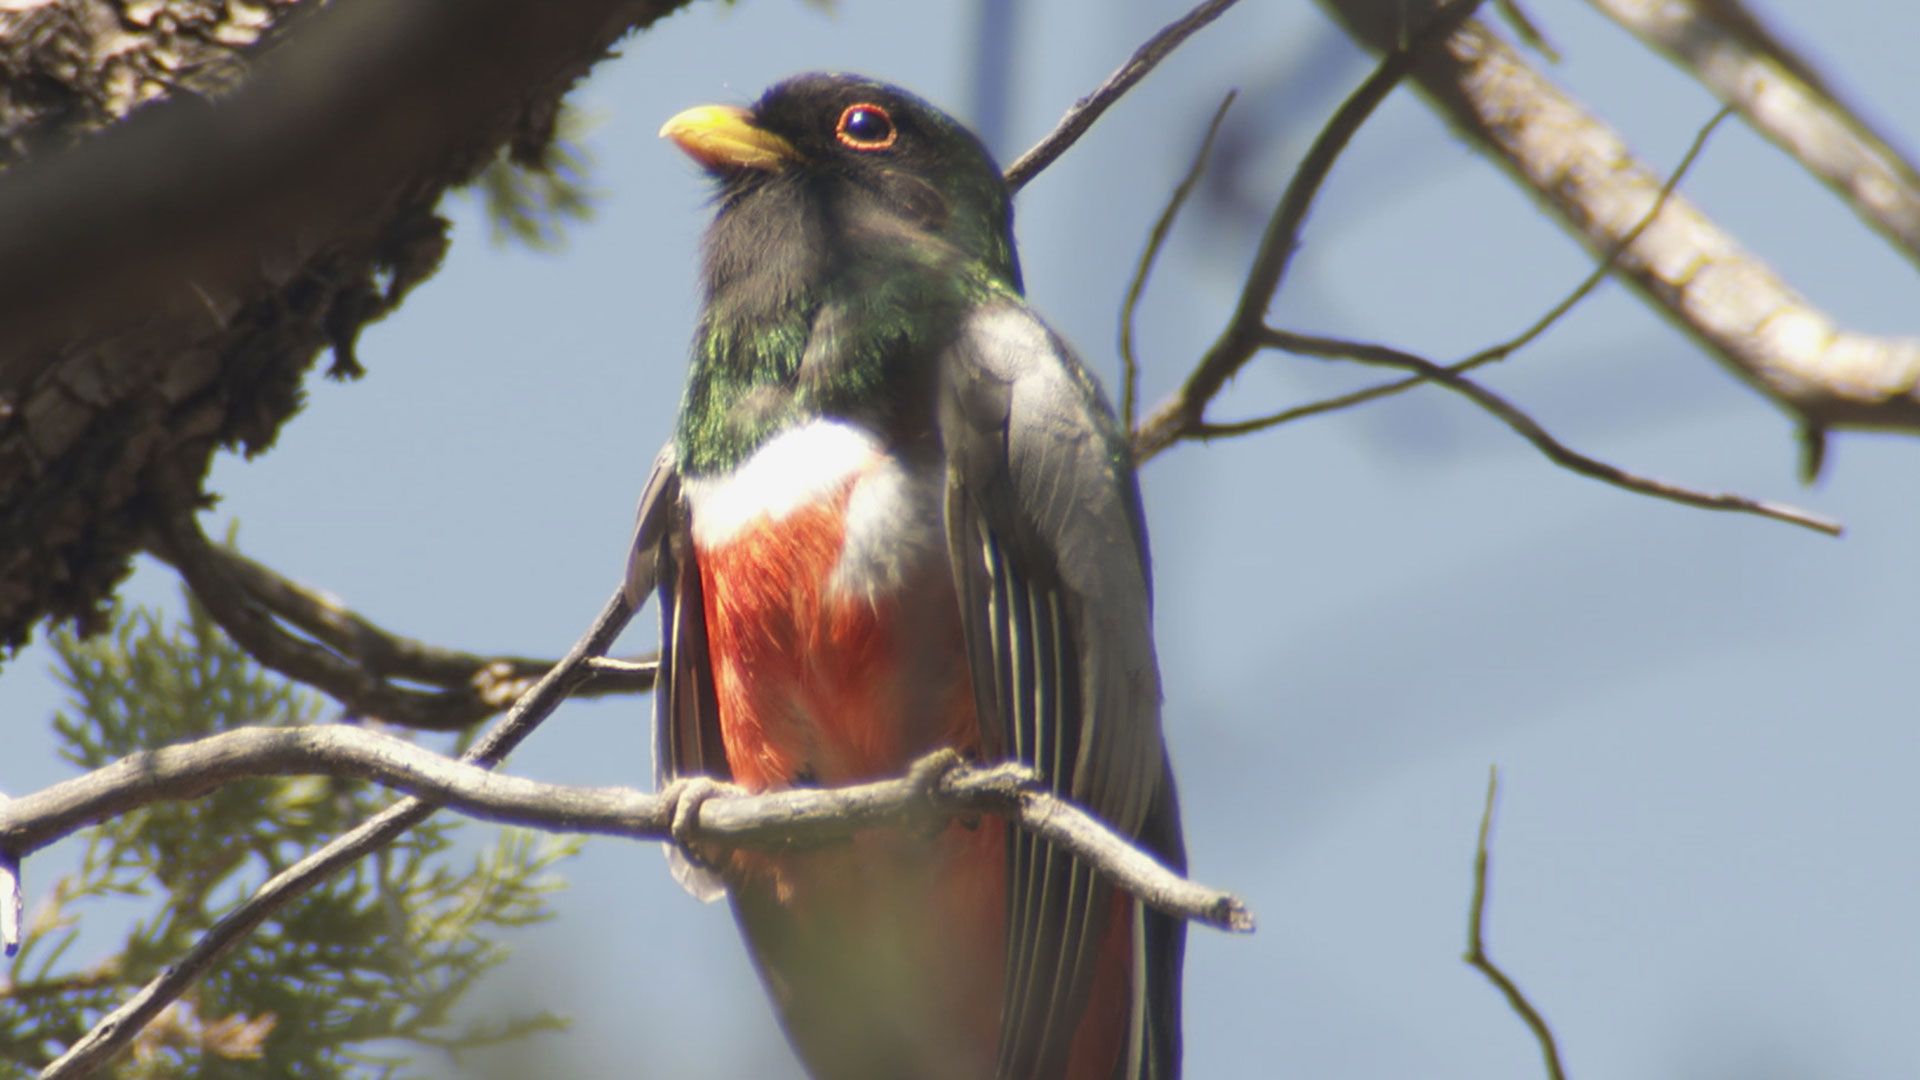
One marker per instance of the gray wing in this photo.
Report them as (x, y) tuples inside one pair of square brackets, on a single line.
[(686, 714), (1049, 555)]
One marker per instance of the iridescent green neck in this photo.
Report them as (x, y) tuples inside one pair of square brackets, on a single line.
[(843, 347)]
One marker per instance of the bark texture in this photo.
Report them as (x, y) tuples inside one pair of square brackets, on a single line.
[(198, 198)]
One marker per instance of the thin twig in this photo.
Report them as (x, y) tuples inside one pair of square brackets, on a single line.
[(1477, 942), (349, 657), (1240, 340), (938, 788), (1528, 428), (10, 903), (1157, 239), (1504, 349), (1524, 28), (1088, 109), (115, 1030)]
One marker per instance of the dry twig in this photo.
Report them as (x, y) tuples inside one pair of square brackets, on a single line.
[(348, 657), (1504, 349), (1088, 109), (1477, 957), (1157, 239), (1530, 429), (1241, 340)]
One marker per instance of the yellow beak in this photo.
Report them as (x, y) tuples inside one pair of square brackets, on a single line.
[(724, 137)]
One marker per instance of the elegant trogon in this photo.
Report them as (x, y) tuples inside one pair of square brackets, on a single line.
[(896, 515)]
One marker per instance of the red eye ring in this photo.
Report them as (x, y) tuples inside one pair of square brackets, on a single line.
[(865, 126)]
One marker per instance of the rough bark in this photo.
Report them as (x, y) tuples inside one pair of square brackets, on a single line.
[(199, 197)]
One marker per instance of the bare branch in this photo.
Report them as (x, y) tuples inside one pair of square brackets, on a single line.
[(114, 1031), (1157, 239), (353, 660), (1726, 298), (1088, 109), (1477, 943), (1526, 337), (939, 787), (1239, 342), (1528, 428), (1732, 52), (10, 904)]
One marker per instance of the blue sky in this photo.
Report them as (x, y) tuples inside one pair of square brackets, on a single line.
[(1705, 862)]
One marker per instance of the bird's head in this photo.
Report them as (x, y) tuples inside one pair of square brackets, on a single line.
[(830, 175)]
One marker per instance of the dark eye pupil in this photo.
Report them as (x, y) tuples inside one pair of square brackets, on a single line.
[(866, 125)]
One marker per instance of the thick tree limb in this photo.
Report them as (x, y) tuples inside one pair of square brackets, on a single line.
[(115, 1030), (348, 657), (1725, 46), (939, 788), (172, 262), (1724, 296)]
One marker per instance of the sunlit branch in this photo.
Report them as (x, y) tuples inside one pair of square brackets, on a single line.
[(938, 788)]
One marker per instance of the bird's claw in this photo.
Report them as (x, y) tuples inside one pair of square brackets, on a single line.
[(684, 797)]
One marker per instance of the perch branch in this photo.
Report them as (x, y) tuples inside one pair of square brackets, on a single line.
[(938, 788)]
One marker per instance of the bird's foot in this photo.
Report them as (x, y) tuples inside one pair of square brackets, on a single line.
[(684, 797)]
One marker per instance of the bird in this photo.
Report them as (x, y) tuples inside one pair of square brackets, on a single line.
[(898, 516)]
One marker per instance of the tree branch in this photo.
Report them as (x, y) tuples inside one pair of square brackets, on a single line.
[(1725, 46), (939, 788), (1476, 955), (1157, 239), (1504, 349), (1088, 109), (1241, 339), (1528, 428), (115, 1030), (1725, 297), (353, 660)]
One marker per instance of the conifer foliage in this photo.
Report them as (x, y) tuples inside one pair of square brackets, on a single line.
[(352, 980)]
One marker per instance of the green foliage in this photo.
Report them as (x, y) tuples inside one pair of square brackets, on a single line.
[(531, 193), (345, 981)]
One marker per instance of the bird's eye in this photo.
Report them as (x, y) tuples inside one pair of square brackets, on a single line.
[(866, 127)]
